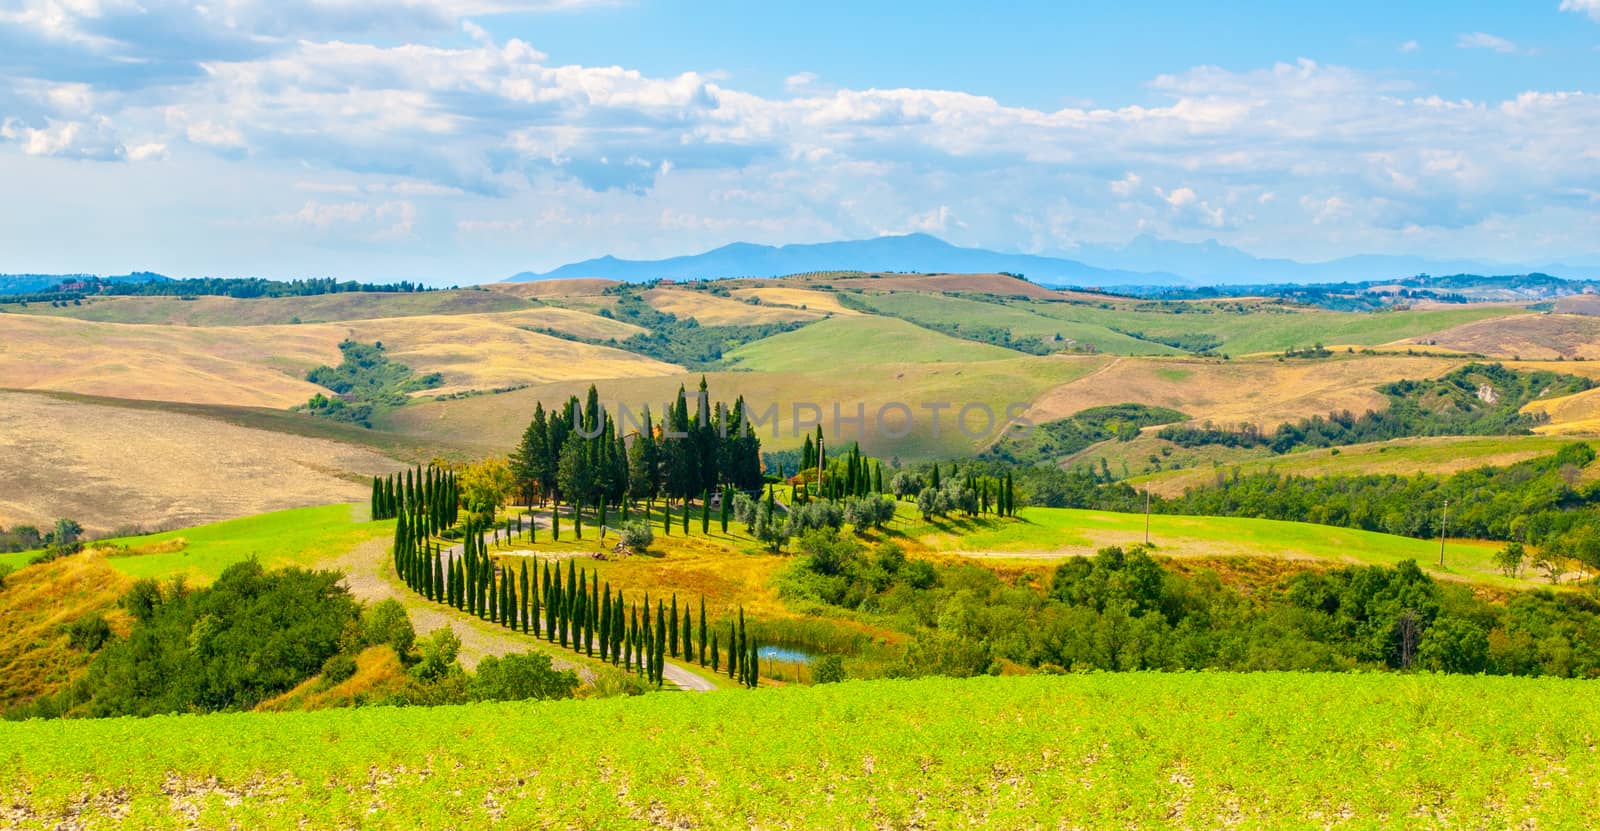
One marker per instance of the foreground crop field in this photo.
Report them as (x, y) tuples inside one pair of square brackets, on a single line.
[(1097, 751)]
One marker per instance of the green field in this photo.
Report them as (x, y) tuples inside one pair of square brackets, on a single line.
[(1404, 457), (1018, 317), (1051, 533), (844, 342), (1195, 750), (297, 537), (1269, 331)]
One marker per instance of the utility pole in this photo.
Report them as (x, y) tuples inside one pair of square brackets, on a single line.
[(1146, 514), (1444, 523)]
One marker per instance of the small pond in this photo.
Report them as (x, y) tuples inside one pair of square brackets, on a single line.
[(783, 654)]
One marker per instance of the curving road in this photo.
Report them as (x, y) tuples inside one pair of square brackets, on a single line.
[(369, 578)]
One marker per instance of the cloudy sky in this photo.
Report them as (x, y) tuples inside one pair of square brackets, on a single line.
[(463, 140)]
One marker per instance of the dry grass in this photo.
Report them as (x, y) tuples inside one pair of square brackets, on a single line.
[(810, 299), (712, 310), (321, 308), (265, 365), (36, 605), (1263, 392), (110, 467), (378, 671), (575, 287), (1539, 336), (244, 365)]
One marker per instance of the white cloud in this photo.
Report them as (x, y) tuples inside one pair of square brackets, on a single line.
[(1410, 46), (1588, 7), (373, 127), (1484, 40)]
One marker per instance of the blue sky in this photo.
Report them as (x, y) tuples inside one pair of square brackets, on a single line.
[(463, 140)]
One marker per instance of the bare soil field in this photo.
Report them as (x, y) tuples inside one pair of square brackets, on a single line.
[(1535, 336), (574, 287), (111, 467)]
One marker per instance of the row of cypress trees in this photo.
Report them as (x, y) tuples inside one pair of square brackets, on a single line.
[(576, 612), (429, 491)]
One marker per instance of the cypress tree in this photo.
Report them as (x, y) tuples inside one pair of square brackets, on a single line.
[(674, 635), (577, 518), (714, 658), (661, 646), (619, 629), (555, 522), (688, 634), (705, 512), (733, 652), (524, 606), (605, 625), (633, 637), (666, 517), (722, 509), (648, 646), (374, 508), (602, 519), (702, 630), (533, 608), (686, 516), (754, 663)]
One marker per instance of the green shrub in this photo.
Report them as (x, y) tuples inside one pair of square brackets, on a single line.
[(339, 668), (88, 633)]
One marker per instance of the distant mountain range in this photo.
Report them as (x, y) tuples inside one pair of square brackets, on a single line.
[(1145, 261)]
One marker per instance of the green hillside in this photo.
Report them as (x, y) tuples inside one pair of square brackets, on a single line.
[(1244, 327), (1054, 533), (1195, 750), (1020, 317), (300, 536), (843, 342)]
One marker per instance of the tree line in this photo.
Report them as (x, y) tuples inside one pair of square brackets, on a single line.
[(579, 454)]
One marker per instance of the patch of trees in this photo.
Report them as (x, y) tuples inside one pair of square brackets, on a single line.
[(364, 382), (1062, 437), (1542, 502), (1475, 400), (971, 492), (1124, 610), (247, 287), (1198, 343), (432, 493), (579, 454), (675, 340)]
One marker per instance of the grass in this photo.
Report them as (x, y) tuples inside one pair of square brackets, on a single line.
[(36, 606), (848, 342), (1274, 331), (1057, 533), (1436, 455), (1019, 317), (1205, 750), (299, 537), (712, 310)]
